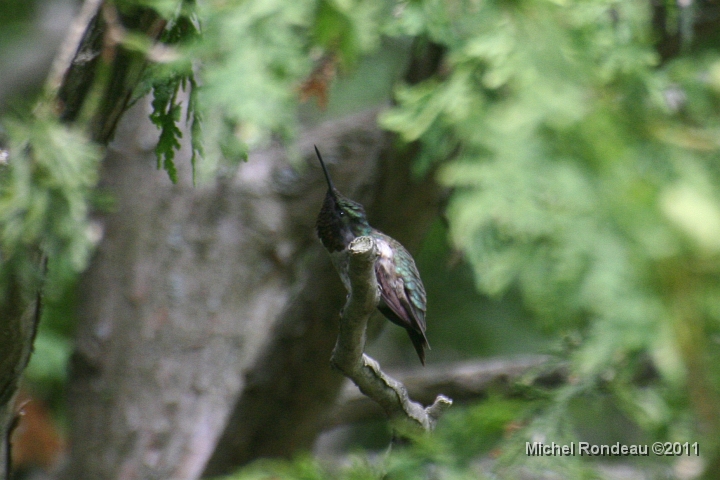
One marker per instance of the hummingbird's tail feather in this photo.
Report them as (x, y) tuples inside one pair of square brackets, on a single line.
[(419, 342)]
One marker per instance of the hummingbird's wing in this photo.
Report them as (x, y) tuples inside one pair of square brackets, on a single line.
[(402, 292)]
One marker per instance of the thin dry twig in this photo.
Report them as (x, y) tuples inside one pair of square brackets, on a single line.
[(464, 381)]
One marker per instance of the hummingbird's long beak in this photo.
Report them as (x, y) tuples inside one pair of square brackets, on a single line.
[(331, 187)]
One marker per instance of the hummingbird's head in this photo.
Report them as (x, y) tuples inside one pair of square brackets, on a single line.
[(340, 219)]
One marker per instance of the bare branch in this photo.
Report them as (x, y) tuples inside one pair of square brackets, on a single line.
[(463, 381), (365, 372)]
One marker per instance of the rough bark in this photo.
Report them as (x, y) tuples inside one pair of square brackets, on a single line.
[(158, 334), (176, 303)]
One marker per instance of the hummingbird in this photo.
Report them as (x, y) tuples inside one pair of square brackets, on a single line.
[(402, 293)]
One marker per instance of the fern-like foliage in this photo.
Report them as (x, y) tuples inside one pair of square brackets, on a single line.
[(45, 183), (168, 82), (585, 175)]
